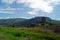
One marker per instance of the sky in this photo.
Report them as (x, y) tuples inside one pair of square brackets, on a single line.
[(29, 8)]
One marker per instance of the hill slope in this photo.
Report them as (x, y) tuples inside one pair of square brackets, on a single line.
[(28, 22), (11, 21)]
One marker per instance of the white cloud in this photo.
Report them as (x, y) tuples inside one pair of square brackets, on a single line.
[(8, 1), (53, 1), (24, 17), (33, 12), (5, 17), (15, 17), (21, 1), (6, 12), (9, 9), (43, 5)]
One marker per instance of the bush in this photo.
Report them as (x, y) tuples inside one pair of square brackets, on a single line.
[(17, 34), (48, 38)]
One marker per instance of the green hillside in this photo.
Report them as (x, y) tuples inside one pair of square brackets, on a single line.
[(27, 34)]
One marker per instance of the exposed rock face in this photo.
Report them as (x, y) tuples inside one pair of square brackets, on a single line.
[(45, 19), (36, 20), (41, 19)]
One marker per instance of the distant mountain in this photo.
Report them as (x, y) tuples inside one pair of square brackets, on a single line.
[(11, 21), (56, 22), (36, 20), (28, 22)]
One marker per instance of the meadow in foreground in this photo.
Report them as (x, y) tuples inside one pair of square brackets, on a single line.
[(27, 34)]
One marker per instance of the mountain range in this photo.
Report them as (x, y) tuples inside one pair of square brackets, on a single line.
[(27, 22)]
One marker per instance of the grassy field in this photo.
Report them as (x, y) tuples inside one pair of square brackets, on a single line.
[(27, 34)]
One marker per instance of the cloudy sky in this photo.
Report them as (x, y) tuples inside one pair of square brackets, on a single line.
[(29, 8)]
